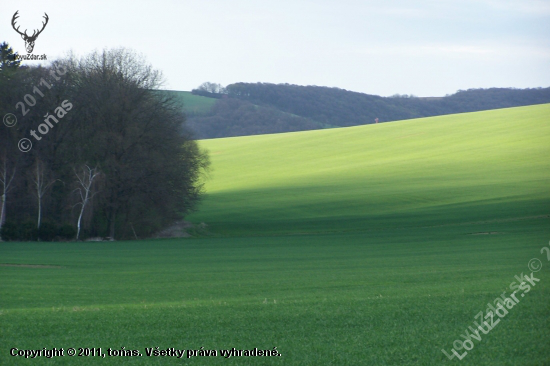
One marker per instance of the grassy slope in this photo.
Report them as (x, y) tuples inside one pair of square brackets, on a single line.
[(443, 170), (387, 291), (193, 104)]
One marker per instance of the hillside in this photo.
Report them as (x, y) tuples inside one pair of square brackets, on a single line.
[(261, 108), (367, 245), (454, 169), (193, 105), (234, 117)]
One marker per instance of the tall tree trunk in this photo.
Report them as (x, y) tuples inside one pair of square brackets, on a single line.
[(6, 181), (86, 182), (39, 211), (3, 211), (78, 224)]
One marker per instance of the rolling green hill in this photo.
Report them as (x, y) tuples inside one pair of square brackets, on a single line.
[(370, 245), (446, 170), (192, 104)]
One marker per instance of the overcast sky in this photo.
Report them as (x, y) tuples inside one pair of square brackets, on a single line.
[(425, 48)]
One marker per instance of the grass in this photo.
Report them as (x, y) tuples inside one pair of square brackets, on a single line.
[(392, 297), (192, 104), (351, 246), (443, 170)]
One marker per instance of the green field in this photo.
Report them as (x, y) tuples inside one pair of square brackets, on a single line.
[(484, 166), (370, 245), (192, 104)]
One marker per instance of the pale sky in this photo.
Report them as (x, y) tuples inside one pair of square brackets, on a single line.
[(424, 47)]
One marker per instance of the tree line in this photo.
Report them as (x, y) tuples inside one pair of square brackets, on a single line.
[(234, 117), (89, 149), (311, 107)]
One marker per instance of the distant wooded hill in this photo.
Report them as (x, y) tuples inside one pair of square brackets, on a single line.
[(262, 108)]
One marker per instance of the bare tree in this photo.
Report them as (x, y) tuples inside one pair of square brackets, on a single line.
[(212, 88), (38, 178), (86, 178)]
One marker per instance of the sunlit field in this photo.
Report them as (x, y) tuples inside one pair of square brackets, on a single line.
[(369, 245)]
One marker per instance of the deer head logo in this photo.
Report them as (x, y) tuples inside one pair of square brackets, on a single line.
[(29, 40)]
